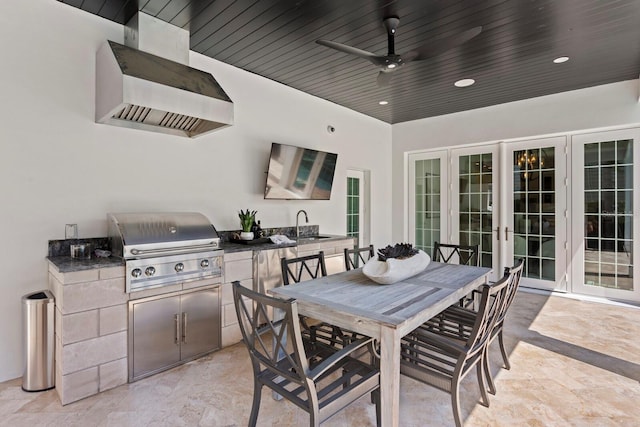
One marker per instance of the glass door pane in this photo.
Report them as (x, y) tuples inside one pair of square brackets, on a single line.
[(536, 230), (474, 221), (355, 211), (427, 200), (605, 233)]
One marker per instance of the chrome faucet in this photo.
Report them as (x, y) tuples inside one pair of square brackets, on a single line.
[(306, 218)]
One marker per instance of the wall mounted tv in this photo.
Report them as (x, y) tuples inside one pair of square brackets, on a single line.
[(299, 173)]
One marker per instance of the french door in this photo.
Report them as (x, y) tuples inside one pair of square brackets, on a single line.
[(536, 211), (606, 224), (428, 177), (474, 215), (508, 198), (355, 205), (569, 210)]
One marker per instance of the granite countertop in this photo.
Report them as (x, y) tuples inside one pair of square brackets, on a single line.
[(66, 264), (230, 247)]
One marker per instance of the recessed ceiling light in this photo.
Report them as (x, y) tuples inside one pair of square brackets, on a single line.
[(464, 82), (383, 102), (561, 59)]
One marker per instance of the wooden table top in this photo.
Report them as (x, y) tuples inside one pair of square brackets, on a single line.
[(351, 292)]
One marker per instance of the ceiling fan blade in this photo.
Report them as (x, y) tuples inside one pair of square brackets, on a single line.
[(384, 78), (374, 59), (439, 46)]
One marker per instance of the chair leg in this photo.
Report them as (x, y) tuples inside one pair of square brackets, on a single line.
[(487, 372), (255, 407), (314, 418), (375, 397), (482, 382), (507, 365), (455, 402)]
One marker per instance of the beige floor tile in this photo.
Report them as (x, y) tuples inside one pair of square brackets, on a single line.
[(574, 363)]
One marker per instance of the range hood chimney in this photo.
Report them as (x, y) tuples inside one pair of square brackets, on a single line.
[(147, 83)]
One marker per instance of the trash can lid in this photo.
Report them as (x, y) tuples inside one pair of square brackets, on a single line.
[(38, 296)]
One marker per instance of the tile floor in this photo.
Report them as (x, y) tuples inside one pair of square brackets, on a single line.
[(574, 363)]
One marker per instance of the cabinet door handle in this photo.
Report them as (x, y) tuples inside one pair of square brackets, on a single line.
[(176, 320), (184, 327), (498, 233), (506, 235)]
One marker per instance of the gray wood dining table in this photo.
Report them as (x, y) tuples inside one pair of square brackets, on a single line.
[(384, 312)]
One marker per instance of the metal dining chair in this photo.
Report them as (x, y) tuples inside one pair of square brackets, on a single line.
[(459, 254), (308, 267), (457, 322), (319, 379), (443, 361), (357, 257)]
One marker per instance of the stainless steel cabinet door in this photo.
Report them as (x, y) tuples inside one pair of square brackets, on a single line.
[(200, 323), (156, 341)]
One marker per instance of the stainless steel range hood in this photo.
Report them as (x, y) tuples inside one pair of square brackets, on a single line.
[(147, 83)]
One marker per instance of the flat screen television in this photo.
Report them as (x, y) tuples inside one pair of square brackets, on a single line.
[(299, 173)]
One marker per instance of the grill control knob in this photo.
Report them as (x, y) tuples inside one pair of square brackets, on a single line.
[(204, 263), (150, 271), (179, 267), (136, 272)]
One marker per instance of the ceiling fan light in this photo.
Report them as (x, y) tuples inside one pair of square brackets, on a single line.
[(390, 66), (464, 83), (383, 102), (560, 59)]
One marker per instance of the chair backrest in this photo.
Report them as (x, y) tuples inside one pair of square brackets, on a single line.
[(513, 275), (267, 342), (357, 257), (489, 308), (307, 267), (463, 254)]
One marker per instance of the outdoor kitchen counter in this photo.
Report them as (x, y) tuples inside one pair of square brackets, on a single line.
[(230, 247), (66, 264)]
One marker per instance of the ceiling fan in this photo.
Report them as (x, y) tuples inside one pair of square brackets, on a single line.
[(392, 61)]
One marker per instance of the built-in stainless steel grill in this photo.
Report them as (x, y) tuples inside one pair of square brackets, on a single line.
[(161, 249)]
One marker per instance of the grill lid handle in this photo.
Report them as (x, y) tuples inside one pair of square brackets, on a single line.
[(172, 249)]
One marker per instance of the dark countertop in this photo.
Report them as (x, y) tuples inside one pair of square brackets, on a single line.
[(230, 247), (66, 264), (305, 240)]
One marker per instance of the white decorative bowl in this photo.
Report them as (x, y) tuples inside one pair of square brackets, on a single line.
[(394, 270)]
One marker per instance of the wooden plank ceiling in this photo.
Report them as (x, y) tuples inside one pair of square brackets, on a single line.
[(511, 59)]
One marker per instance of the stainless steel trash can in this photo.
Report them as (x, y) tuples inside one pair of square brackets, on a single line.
[(38, 317)]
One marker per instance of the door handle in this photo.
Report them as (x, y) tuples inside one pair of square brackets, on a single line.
[(184, 327), (498, 233), (506, 235), (176, 320)]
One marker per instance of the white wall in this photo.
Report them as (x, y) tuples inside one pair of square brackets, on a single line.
[(592, 108), (58, 166)]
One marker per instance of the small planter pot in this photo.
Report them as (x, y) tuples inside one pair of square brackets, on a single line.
[(246, 235), (395, 270)]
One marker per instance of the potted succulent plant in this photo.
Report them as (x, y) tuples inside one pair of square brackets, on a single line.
[(395, 263), (246, 222)]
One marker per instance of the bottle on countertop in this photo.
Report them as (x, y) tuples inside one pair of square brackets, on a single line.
[(257, 230), (254, 228)]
